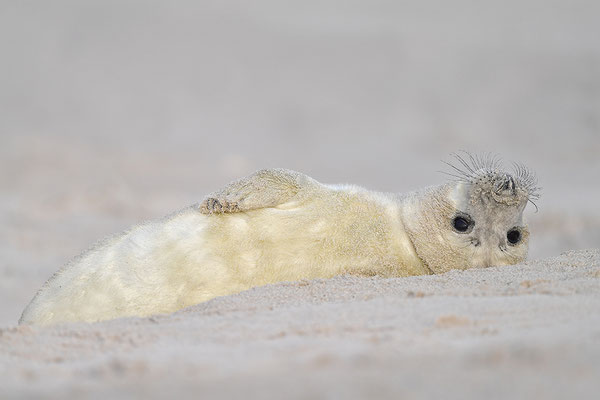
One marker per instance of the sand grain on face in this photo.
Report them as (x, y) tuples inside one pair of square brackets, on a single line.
[(516, 331)]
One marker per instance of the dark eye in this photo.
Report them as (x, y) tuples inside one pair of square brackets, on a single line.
[(461, 224), (513, 236)]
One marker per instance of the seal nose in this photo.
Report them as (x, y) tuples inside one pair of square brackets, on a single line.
[(509, 184), (505, 185)]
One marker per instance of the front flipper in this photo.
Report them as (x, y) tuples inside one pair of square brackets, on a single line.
[(265, 188)]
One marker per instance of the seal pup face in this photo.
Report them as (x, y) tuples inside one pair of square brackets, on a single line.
[(475, 221)]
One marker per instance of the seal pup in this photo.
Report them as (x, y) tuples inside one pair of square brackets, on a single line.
[(279, 225)]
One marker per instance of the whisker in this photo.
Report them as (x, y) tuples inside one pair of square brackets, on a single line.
[(464, 163), (461, 172), (468, 167), (459, 178), (535, 205)]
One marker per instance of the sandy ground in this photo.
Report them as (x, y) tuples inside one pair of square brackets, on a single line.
[(524, 331), (113, 112)]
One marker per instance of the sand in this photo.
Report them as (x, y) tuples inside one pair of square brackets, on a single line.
[(114, 112), (525, 331)]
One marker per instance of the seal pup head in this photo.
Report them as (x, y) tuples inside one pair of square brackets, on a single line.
[(474, 221)]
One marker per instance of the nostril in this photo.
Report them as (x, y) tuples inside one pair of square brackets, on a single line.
[(475, 242), (510, 184), (506, 184)]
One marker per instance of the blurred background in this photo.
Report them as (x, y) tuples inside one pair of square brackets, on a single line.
[(113, 112)]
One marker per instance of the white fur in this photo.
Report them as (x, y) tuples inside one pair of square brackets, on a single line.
[(190, 257)]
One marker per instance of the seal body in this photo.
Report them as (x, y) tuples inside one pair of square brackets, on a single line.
[(273, 226)]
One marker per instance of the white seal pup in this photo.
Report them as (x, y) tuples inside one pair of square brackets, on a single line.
[(279, 225)]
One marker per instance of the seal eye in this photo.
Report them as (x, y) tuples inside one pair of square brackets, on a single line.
[(461, 224), (513, 236)]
